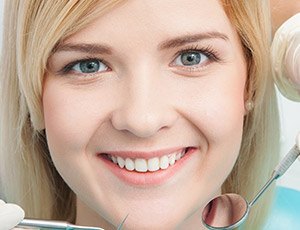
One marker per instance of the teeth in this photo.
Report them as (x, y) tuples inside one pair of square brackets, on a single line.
[(164, 162), (151, 165), (140, 165), (114, 159), (129, 164), (178, 156), (121, 162), (172, 159)]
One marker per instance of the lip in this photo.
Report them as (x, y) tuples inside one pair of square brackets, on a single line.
[(146, 178)]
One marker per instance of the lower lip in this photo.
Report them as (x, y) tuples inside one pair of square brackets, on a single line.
[(148, 178)]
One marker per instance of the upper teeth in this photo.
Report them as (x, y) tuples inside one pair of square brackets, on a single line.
[(144, 165)]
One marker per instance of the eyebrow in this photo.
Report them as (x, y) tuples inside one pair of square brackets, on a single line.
[(182, 40), (94, 48), (84, 48)]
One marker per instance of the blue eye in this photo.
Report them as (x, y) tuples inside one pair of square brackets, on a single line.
[(191, 58), (88, 66)]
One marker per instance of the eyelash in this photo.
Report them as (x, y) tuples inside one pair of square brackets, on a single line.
[(68, 68), (208, 51)]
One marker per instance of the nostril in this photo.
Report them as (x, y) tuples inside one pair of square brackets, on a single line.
[(143, 120), (141, 126)]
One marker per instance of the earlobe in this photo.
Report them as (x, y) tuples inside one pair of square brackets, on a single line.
[(249, 105), (248, 98)]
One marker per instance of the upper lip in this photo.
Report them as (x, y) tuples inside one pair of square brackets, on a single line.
[(144, 154)]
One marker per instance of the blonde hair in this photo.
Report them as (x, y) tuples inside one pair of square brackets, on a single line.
[(32, 30), (259, 151)]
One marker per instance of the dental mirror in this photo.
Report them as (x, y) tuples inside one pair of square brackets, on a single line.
[(229, 211), (225, 212)]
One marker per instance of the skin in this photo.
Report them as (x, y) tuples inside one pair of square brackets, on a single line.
[(147, 100)]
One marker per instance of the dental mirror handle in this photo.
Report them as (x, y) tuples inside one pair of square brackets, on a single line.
[(280, 169), (122, 223), (53, 225)]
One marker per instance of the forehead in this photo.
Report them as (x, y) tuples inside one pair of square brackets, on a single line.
[(143, 20)]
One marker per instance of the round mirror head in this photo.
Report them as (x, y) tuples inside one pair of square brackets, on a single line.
[(225, 212)]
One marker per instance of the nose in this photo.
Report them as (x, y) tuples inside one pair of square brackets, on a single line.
[(146, 107)]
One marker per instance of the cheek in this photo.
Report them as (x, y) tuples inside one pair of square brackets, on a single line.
[(70, 119), (226, 113), (59, 116), (217, 106)]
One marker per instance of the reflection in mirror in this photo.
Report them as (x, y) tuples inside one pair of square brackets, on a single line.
[(225, 210)]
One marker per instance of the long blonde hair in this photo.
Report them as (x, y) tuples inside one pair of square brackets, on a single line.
[(259, 151), (32, 30)]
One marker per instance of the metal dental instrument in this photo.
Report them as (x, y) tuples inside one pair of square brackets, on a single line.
[(122, 223), (50, 224), (235, 205)]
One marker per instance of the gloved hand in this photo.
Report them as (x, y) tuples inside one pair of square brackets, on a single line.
[(10, 215), (285, 52), (292, 58)]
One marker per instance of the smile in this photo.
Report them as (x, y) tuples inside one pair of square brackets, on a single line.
[(147, 168), (148, 165)]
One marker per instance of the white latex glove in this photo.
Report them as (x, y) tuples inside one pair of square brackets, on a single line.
[(292, 58), (10, 215), (285, 52)]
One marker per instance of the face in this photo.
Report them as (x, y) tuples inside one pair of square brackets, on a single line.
[(144, 112)]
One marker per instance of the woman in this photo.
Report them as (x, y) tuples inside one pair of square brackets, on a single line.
[(146, 108)]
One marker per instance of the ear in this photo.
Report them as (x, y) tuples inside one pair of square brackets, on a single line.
[(249, 105)]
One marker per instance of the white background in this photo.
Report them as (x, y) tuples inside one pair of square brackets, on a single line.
[(290, 120)]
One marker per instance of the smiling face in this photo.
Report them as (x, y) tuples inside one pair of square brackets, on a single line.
[(144, 112)]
